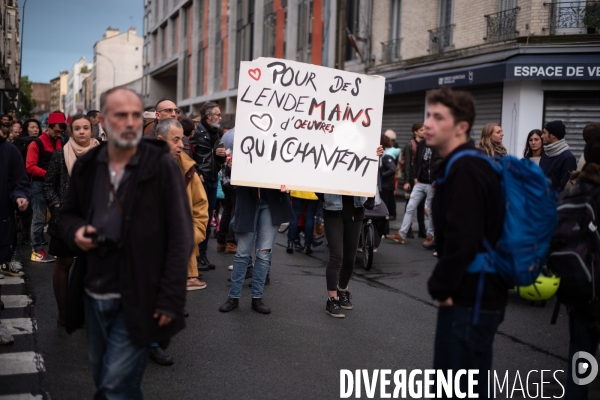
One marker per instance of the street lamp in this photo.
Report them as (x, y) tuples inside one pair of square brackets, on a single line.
[(111, 63)]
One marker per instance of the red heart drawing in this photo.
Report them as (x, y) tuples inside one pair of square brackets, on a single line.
[(254, 73)]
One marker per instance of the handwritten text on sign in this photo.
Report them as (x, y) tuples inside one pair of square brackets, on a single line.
[(308, 127)]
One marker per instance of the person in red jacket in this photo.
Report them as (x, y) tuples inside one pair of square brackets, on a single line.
[(38, 158)]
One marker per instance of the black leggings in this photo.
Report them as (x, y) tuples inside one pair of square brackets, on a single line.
[(342, 235)]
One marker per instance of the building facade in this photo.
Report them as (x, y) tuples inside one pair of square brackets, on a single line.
[(525, 61), (40, 93), (193, 49), (79, 71), (86, 92), (58, 91), (9, 55), (117, 61)]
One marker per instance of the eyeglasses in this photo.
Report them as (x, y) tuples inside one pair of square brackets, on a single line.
[(217, 115), (171, 110)]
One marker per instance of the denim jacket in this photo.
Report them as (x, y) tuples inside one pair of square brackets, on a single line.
[(333, 202)]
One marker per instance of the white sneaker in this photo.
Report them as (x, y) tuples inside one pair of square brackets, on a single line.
[(230, 268), (5, 337)]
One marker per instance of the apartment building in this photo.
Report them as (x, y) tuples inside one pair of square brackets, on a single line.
[(58, 91), (117, 61), (525, 61), (40, 93), (9, 55), (73, 102), (193, 48)]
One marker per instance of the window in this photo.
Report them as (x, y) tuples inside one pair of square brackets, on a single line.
[(165, 7), (163, 42), (155, 48), (174, 35), (305, 28), (218, 76), (395, 20), (274, 25), (353, 26), (445, 13), (201, 46), (440, 39)]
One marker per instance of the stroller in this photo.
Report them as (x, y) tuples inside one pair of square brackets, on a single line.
[(374, 224)]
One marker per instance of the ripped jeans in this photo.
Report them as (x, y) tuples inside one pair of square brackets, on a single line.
[(263, 237)]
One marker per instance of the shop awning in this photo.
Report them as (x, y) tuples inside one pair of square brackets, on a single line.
[(521, 67)]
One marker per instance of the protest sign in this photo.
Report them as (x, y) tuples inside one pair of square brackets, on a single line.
[(308, 127)]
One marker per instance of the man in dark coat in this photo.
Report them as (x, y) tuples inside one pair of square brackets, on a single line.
[(209, 154), (557, 161), (127, 210), (14, 191)]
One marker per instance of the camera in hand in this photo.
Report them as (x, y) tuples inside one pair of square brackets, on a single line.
[(104, 243)]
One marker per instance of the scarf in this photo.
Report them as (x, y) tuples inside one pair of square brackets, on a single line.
[(72, 150), (556, 149), (499, 149), (392, 151), (212, 132)]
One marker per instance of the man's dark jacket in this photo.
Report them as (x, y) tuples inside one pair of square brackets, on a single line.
[(426, 171), (208, 164), (558, 169), (247, 200), (467, 208), (13, 185), (156, 246)]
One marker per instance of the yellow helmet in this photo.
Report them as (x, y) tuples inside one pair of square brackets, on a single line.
[(543, 288)]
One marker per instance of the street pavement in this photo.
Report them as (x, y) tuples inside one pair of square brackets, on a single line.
[(296, 352)]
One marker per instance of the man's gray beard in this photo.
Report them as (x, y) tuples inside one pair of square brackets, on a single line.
[(214, 124), (120, 143)]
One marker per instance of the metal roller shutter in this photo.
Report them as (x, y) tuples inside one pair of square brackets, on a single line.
[(576, 110), (488, 106), (400, 112)]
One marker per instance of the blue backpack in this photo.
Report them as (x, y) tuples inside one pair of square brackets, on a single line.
[(529, 222)]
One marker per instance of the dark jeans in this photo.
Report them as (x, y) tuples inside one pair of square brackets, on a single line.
[(309, 220), (342, 236), (38, 206), (582, 337), (389, 199), (210, 187), (117, 364), (226, 234), (420, 217), (25, 223), (461, 345)]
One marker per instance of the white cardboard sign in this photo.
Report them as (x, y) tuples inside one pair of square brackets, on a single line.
[(309, 127)]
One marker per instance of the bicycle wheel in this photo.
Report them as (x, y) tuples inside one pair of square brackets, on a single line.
[(368, 244)]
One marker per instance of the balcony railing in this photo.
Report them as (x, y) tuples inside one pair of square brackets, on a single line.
[(390, 51), (502, 25), (440, 39), (571, 16)]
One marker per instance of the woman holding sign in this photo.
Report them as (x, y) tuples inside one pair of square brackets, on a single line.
[(344, 217)]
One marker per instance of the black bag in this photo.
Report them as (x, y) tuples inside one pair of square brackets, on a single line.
[(575, 245)]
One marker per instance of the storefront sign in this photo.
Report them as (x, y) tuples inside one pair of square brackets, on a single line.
[(562, 71), (546, 67), (307, 127)]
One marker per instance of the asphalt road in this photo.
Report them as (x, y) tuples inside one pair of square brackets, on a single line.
[(297, 351)]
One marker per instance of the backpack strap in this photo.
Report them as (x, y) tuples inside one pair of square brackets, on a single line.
[(467, 153)]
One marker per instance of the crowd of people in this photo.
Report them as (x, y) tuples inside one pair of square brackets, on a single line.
[(93, 180)]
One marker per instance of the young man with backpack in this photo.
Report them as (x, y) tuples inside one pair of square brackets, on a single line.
[(38, 158), (574, 255), (467, 207)]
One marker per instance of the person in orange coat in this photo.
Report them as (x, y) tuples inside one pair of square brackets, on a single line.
[(171, 131)]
